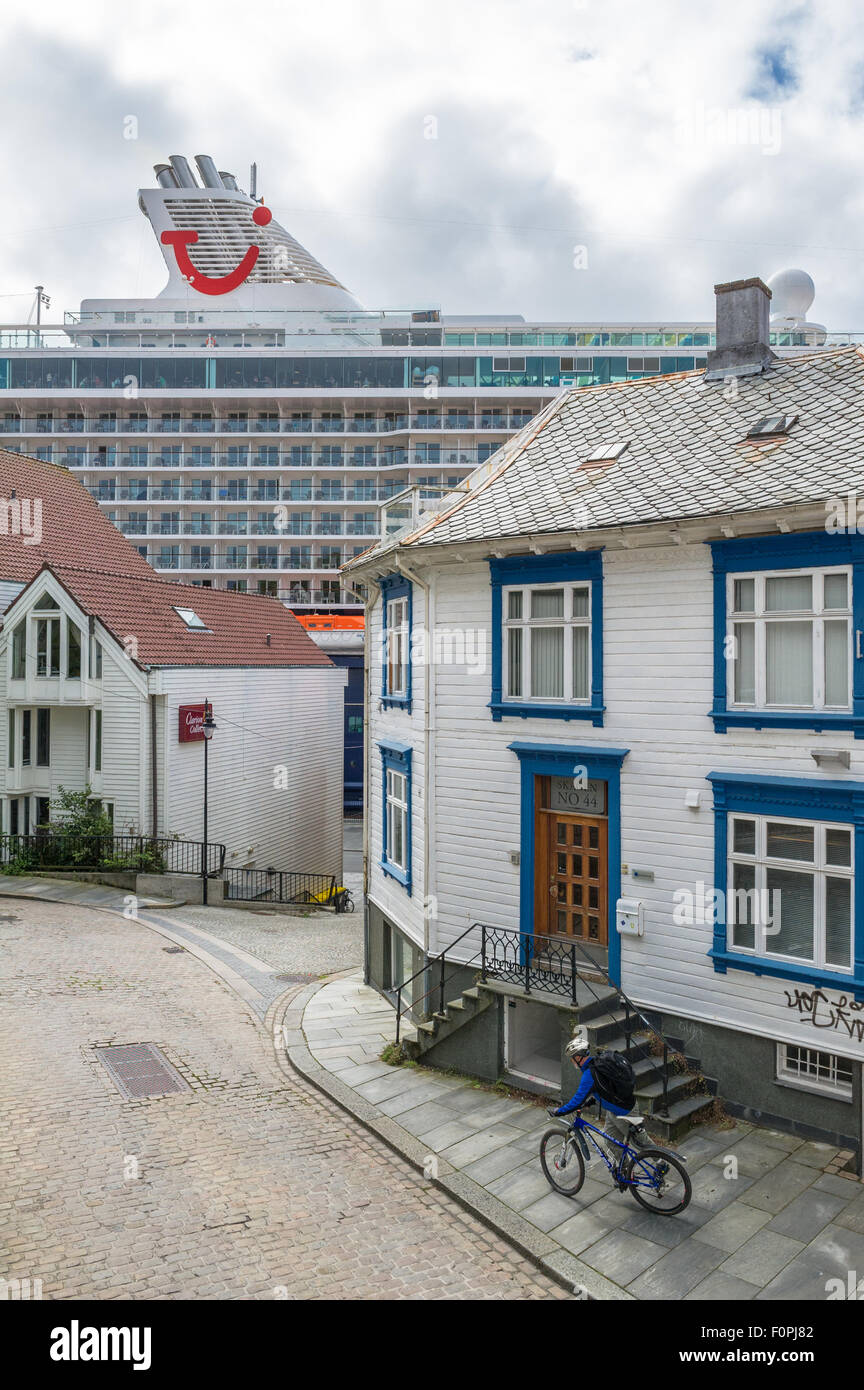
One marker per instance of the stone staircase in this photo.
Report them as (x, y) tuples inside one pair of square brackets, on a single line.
[(599, 1007), (419, 1037), (685, 1099)]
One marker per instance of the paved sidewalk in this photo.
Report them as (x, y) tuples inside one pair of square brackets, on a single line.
[(772, 1225)]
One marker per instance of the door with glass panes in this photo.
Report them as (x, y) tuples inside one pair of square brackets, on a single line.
[(571, 865)]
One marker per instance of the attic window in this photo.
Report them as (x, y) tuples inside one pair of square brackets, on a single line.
[(772, 425), (191, 619), (605, 453)]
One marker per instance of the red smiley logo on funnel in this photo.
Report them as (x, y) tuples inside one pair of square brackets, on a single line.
[(214, 284)]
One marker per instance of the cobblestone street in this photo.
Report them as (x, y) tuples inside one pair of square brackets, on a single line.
[(248, 1185)]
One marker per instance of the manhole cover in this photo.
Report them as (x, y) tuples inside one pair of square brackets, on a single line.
[(141, 1070)]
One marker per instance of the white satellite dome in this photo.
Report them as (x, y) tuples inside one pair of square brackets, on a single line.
[(792, 293)]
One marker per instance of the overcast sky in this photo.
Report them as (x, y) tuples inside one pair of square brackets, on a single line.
[(576, 159)]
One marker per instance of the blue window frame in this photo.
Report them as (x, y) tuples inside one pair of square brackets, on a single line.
[(578, 671), (561, 759), (809, 551), (396, 621), (799, 799), (396, 811)]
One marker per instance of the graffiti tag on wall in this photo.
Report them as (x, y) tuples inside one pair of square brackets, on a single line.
[(816, 1008)]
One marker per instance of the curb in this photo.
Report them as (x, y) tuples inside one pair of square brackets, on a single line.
[(566, 1269)]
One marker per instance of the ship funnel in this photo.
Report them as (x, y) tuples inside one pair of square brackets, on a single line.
[(228, 181), (207, 169), (165, 176), (180, 165)]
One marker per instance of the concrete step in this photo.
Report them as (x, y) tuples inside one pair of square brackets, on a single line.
[(637, 1048), (649, 1093), (683, 1114), (456, 1012)]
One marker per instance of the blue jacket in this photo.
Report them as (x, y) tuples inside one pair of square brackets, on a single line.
[(587, 1087)]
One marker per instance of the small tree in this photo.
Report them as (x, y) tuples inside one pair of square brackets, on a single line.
[(78, 813), (80, 823)]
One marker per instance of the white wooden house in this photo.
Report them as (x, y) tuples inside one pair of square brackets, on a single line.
[(99, 672), (615, 711)]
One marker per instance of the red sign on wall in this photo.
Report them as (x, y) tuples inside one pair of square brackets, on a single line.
[(192, 723)]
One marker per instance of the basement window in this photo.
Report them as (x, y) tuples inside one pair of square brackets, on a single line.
[(812, 1070), (770, 426), (191, 619)]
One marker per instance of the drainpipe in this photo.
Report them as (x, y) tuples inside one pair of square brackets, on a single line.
[(367, 765), (154, 776), (428, 735)]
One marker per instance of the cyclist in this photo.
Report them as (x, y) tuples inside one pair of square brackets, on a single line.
[(588, 1090)]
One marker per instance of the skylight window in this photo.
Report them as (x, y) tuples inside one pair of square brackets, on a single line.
[(191, 619), (771, 425), (606, 453)]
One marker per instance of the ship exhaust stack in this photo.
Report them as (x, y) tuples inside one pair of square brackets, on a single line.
[(208, 171), (180, 165), (228, 181), (165, 176)]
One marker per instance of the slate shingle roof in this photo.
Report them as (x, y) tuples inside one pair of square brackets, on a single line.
[(74, 527), (144, 608), (686, 455)]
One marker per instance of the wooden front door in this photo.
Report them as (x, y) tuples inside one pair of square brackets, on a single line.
[(571, 876)]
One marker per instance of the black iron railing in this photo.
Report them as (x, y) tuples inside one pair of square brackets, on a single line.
[(282, 886), (545, 964), (549, 965), (134, 853), (441, 962)]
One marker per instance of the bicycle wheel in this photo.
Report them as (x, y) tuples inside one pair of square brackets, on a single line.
[(562, 1162), (659, 1181)]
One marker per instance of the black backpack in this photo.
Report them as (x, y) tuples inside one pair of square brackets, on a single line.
[(614, 1079)]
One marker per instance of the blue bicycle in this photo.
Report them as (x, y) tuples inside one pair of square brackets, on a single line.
[(656, 1177)]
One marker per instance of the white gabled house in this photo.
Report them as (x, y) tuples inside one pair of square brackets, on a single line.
[(657, 772), (100, 672)]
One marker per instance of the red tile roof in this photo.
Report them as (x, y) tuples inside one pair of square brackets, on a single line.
[(74, 529), (143, 608)]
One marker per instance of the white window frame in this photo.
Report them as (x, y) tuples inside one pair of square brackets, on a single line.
[(817, 868), (397, 632), (760, 617), (526, 623), (396, 799), (49, 618), (803, 1073)]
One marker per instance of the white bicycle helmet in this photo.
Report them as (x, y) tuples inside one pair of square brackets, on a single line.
[(578, 1045)]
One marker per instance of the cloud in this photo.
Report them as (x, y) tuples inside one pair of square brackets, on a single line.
[(624, 127)]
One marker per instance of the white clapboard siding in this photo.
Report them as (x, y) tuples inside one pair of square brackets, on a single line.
[(275, 765), (658, 663), (125, 742), (408, 728)]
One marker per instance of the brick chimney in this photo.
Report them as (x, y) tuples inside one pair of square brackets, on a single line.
[(742, 330)]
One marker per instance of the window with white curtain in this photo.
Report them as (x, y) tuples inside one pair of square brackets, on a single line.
[(397, 639), (790, 890), (791, 634), (547, 643)]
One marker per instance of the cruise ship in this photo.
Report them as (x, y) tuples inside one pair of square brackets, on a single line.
[(253, 426)]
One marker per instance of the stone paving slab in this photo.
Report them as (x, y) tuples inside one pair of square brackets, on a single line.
[(772, 1225)]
